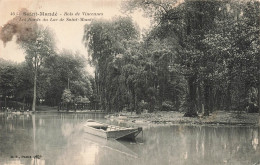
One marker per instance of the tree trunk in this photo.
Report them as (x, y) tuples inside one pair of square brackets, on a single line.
[(6, 107), (34, 92), (211, 99), (207, 98), (200, 99), (34, 85), (23, 102), (191, 98), (259, 96), (228, 97)]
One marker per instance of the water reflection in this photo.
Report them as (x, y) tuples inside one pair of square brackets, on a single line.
[(59, 139)]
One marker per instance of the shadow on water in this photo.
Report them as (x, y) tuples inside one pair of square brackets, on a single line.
[(58, 138), (111, 144)]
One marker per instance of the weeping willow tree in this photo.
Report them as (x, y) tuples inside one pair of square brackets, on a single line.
[(106, 42)]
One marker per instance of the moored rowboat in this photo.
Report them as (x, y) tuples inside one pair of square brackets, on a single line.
[(110, 131)]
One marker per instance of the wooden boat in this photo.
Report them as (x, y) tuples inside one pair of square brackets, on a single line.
[(111, 131)]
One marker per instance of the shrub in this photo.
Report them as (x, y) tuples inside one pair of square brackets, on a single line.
[(252, 108), (141, 106), (167, 106)]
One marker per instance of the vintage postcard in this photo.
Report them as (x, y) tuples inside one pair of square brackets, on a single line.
[(129, 82)]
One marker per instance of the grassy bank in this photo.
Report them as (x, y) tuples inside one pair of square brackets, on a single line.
[(216, 118)]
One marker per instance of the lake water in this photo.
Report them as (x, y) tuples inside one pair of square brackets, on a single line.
[(58, 138)]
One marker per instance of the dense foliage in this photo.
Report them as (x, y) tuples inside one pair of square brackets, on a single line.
[(60, 73), (198, 56), (46, 74)]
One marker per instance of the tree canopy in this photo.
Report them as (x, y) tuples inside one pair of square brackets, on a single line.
[(199, 56)]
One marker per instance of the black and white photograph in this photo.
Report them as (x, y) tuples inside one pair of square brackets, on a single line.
[(129, 82)]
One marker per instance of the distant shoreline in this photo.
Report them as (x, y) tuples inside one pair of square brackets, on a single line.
[(216, 118), (173, 117)]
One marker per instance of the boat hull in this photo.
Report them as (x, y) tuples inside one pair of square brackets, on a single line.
[(96, 132), (110, 131)]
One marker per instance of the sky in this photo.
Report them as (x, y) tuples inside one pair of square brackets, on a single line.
[(68, 34)]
